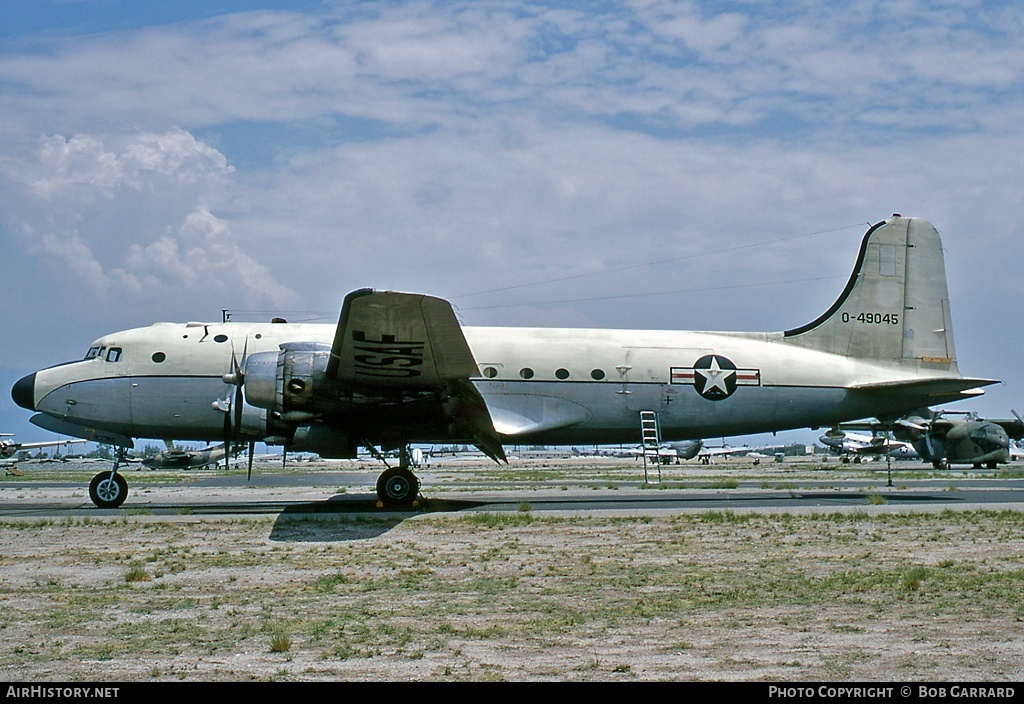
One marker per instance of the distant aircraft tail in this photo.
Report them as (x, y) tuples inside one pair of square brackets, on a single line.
[(895, 306)]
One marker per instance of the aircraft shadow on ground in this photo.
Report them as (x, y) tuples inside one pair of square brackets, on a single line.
[(362, 518)]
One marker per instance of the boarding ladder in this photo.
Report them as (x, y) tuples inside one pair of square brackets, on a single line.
[(650, 441)]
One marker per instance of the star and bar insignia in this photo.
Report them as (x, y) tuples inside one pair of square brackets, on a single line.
[(715, 377)]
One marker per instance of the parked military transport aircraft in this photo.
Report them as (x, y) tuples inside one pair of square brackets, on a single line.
[(180, 458), (944, 440), (399, 369)]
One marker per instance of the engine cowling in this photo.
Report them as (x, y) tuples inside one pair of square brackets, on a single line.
[(292, 387), (287, 382)]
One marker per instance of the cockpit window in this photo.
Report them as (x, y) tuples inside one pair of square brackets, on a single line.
[(93, 351), (114, 354)]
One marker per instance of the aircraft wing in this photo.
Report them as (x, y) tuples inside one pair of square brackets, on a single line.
[(49, 443), (723, 451), (914, 427), (399, 340), (1014, 428), (393, 342), (9, 449)]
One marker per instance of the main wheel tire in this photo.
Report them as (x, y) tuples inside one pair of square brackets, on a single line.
[(108, 492), (397, 487)]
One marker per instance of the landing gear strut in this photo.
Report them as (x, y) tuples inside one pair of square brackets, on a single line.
[(397, 486), (109, 489)]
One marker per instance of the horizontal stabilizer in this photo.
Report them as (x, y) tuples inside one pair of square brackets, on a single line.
[(948, 388)]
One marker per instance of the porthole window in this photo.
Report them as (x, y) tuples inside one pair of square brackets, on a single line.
[(526, 373), (159, 357), (220, 338), (490, 372), (562, 373), (597, 374)]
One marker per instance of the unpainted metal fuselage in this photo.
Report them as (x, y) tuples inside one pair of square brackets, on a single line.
[(167, 378)]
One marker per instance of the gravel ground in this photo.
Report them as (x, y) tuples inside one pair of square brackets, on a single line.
[(872, 594)]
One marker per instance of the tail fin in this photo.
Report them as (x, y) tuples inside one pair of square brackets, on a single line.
[(895, 306)]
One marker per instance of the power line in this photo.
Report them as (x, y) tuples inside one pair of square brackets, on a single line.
[(646, 264), (654, 293)]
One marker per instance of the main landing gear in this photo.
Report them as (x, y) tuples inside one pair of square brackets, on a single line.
[(397, 487), (109, 489)]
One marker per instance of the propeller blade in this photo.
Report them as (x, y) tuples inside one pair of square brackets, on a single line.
[(237, 378), (252, 448), (237, 409), (227, 436)]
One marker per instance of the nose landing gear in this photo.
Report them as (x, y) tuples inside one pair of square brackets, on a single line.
[(109, 489)]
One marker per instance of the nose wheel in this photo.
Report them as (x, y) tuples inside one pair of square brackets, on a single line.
[(108, 490)]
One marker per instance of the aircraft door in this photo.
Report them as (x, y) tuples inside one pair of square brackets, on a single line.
[(641, 383)]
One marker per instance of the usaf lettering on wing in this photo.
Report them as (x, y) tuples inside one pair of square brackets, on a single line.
[(387, 357)]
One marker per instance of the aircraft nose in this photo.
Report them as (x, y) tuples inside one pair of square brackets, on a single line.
[(24, 392)]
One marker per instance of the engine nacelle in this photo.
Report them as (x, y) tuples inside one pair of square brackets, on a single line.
[(284, 382), (326, 442)]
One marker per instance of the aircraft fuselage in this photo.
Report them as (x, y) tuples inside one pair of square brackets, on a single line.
[(545, 385)]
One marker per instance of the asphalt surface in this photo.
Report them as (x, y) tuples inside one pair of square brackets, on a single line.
[(553, 484)]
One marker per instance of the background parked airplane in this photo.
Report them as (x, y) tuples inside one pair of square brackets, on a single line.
[(706, 454), (947, 438), (9, 448), (179, 458), (857, 447)]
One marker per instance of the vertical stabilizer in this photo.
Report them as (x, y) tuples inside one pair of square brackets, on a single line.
[(895, 306)]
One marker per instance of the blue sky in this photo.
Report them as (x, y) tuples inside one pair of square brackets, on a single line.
[(692, 165)]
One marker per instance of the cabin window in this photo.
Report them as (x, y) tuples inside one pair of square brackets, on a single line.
[(220, 338), (114, 354), (159, 357), (597, 374), (526, 373), (562, 373), (490, 372)]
